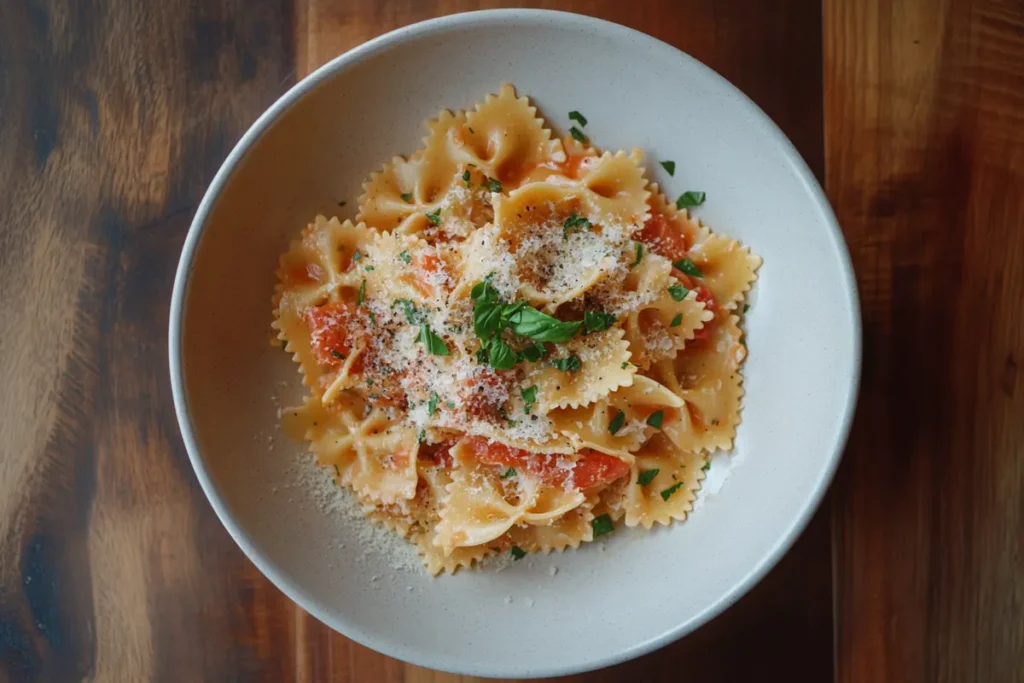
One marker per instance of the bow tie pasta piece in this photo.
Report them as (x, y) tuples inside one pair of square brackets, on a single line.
[(620, 422), (727, 268), (504, 138), (707, 377), (603, 367), (661, 329), (403, 267), (317, 288), (616, 185), (668, 231), (561, 245), (566, 531), (662, 483)]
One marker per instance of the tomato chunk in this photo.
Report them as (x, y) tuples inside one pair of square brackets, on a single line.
[(663, 238), (590, 469), (329, 329)]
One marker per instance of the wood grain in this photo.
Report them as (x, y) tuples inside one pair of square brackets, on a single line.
[(925, 167)]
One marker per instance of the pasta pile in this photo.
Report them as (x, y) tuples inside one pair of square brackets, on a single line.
[(520, 343)]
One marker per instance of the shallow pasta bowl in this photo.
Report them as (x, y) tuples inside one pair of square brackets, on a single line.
[(557, 613)]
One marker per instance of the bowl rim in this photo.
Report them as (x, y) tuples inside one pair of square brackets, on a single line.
[(268, 567)]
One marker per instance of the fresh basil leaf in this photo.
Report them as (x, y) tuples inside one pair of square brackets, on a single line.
[(507, 474), (577, 134), (667, 493), (569, 364), (500, 355), (677, 320), (466, 177), (688, 267), (493, 185), (598, 320), (574, 223), (517, 552), (669, 166), (534, 352), (578, 117), (656, 419), (678, 292), (617, 422), (646, 477), (690, 200), (486, 319), (435, 345), (434, 217), (529, 322), (602, 525), (529, 397)]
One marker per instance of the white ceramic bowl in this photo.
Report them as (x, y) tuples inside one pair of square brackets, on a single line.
[(608, 601)]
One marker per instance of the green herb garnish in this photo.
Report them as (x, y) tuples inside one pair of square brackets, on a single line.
[(529, 322), (337, 354), (434, 217), (669, 166), (510, 472), (625, 364), (578, 117), (517, 552), (573, 224), (617, 422), (677, 320), (432, 404), (678, 292), (356, 256), (646, 477), (451, 405), (690, 200), (656, 418), (529, 397), (639, 254), (412, 316), (500, 355), (569, 364), (422, 436), (746, 307), (435, 345), (405, 257), (667, 493), (688, 267), (706, 467), (465, 177), (362, 293), (493, 185), (602, 525), (577, 134), (407, 196), (596, 321), (533, 352)]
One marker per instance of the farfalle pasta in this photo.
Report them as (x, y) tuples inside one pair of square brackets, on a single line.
[(519, 344)]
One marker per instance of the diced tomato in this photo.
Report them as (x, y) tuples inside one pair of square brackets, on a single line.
[(437, 453), (329, 328), (663, 238), (590, 469)]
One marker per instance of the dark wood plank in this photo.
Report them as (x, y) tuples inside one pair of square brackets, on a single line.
[(925, 167), (113, 118)]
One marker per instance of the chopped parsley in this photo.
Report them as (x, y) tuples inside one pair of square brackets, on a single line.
[(371, 316), (569, 364), (667, 493), (405, 257), (451, 405), (678, 292), (407, 196), (706, 467), (432, 404), (577, 134), (689, 200), (435, 345), (578, 118), (337, 354), (466, 177), (369, 268), (646, 477), (573, 224), (689, 267), (656, 418), (617, 422), (746, 307), (529, 397), (434, 217), (356, 255), (669, 166), (422, 436), (409, 308), (639, 254), (362, 293), (625, 364), (714, 422), (493, 185), (677, 320), (596, 321), (517, 552), (602, 525), (510, 472)]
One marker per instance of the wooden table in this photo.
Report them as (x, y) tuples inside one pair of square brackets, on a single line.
[(114, 117)]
